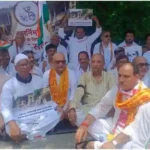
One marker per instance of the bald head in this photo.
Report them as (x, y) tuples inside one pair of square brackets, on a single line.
[(128, 76), (97, 63), (142, 64), (98, 56), (59, 62), (58, 56), (130, 67), (139, 59)]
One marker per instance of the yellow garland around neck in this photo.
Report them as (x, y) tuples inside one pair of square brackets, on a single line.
[(131, 104), (59, 92)]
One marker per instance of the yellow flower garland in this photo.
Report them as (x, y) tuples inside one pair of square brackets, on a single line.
[(59, 92), (131, 104)]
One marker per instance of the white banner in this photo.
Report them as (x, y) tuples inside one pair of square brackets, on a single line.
[(80, 17)]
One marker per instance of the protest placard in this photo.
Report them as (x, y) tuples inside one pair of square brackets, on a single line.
[(80, 17)]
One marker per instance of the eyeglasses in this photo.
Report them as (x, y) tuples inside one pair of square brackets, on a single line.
[(60, 61), (143, 64), (106, 36)]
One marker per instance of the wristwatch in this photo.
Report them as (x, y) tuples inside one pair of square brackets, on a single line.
[(115, 142)]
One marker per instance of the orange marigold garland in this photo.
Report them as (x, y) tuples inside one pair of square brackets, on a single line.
[(132, 104), (59, 92)]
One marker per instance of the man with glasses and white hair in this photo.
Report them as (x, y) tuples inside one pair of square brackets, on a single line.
[(106, 48), (61, 81), (142, 64)]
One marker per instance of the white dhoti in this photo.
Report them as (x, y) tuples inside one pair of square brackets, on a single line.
[(33, 129), (100, 129), (80, 117)]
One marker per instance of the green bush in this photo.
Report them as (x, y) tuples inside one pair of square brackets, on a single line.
[(118, 16)]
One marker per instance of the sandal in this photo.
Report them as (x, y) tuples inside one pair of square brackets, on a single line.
[(83, 144)]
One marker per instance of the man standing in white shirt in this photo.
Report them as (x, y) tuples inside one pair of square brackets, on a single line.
[(142, 64), (129, 39), (18, 46), (131, 48), (61, 82), (126, 99), (80, 42), (106, 48), (46, 64), (84, 62)]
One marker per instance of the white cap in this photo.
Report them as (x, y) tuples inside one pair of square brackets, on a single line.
[(19, 57)]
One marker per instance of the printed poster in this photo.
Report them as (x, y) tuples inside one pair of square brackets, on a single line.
[(80, 17)]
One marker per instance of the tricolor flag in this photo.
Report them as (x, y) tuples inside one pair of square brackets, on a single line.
[(4, 44), (43, 19)]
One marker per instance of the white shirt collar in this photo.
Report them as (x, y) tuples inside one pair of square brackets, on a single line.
[(81, 40), (124, 44), (131, 92), (80, 69), (106, 46)]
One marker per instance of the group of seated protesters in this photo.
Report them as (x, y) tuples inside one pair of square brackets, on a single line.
[(111, 107), (106, 95)]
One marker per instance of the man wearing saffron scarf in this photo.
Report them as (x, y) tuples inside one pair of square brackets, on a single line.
[(26, 106), (126, 98), (61, 81)]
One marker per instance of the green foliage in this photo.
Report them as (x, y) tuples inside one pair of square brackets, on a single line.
[(118, 16)]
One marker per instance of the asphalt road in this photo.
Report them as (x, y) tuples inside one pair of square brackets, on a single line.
[(59, 141)]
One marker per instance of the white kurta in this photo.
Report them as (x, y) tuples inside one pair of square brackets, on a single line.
[(77, 45), (10, 70), (103, 126), (107, 54), (123, 44), (79, 72), (114, 73), (72, 84), (3, 78), (147, 57), (146, 79), (37, 71), (13, 50), (131, 51), (24, 103), (47, 66), (141, 128)]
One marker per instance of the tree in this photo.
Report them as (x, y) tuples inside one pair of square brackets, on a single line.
[(118, 16)]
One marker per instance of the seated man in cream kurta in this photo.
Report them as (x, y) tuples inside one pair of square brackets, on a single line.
[(61, 81), (126, 98), (92, 87)]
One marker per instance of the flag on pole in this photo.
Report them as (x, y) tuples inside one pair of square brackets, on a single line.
[(43, 19)]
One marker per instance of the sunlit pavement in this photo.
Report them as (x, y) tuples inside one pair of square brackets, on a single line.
[(59, 141)]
